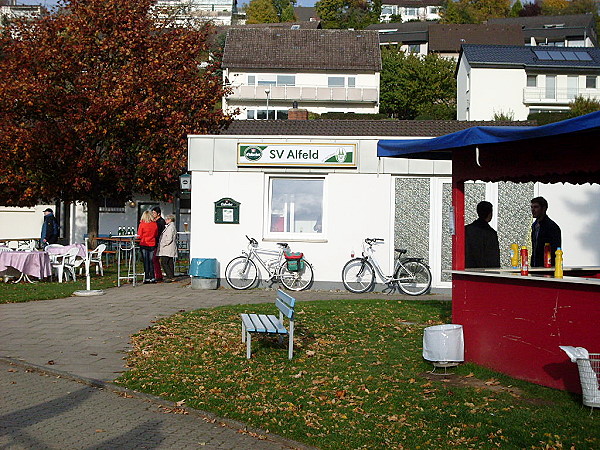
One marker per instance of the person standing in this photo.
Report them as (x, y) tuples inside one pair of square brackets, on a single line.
[(167, 248), (147, 231), (481, 240), (50, 229), (160, 223), (543, 230)]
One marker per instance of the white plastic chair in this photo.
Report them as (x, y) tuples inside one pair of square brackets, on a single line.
[(95, 257), (13, 245), (65, 264), (27, 246)]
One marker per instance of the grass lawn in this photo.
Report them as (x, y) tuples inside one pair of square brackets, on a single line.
[(357, 381), (46, 290)]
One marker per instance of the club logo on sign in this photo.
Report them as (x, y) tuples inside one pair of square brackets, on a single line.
[(253, 153)]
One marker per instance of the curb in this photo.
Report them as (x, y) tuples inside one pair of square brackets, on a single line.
[(239, 427)]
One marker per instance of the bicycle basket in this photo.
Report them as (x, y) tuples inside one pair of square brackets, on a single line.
[(295, 261)]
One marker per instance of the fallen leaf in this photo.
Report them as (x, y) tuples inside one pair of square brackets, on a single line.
[(51, 362)]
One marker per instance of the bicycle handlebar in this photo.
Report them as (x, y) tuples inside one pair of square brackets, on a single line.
[(372, 241), (252, 240)]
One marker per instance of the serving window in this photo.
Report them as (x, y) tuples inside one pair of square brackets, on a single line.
[(295, 206)]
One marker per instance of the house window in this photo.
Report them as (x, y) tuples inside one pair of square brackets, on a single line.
[(591, 82), (414, 48), (286, 80), (336, 81), (531, 80), (351, 82), (251, 80), (411, 11), (551, 86), (261, 114), (267, 82), (386, 10), (250, 114), (296, 205)]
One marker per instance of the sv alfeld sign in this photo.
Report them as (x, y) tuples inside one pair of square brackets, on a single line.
[(307, 155)]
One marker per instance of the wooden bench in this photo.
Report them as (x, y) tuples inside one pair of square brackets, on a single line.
[(270, 324)]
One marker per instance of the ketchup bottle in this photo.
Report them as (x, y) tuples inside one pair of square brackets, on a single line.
[(547, 255), (524, 261)]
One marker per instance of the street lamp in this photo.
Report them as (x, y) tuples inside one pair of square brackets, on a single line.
[(267, 91)]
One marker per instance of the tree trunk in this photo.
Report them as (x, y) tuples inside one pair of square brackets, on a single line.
[(93, 221)]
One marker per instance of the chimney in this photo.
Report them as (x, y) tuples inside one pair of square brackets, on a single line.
[(297, 114)]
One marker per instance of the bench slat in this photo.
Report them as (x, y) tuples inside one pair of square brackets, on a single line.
[(261, 323), (285, 309)]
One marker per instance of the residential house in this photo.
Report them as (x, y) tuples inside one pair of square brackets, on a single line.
[(413, 37), (444, 39), (10, 10), (270, 69), (577, 30), (519, 80), (410, 10), (186, 12), (306, 14)]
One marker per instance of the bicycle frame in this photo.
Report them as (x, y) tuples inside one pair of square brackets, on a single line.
[(270, 265), (368, 254)]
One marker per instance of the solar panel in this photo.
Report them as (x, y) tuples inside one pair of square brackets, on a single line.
[(543, 55), (556, 56), (570, 56), (584, 56)]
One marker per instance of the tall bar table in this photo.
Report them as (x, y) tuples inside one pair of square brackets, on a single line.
[(126, 251)]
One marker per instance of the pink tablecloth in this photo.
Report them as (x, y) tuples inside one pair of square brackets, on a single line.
[(65, 248), (35, 264)]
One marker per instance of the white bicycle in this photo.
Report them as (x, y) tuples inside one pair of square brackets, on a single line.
[(242, 271), (411, 275)]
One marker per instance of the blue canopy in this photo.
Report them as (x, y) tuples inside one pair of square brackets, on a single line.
[(441, 147)]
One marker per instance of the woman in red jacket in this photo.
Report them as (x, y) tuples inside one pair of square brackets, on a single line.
[(147, 231)]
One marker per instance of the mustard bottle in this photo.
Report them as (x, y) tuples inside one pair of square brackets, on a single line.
[(514, 255), (558, 263)]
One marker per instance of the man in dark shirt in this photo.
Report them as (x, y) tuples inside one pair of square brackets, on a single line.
[(160, 223), (544, 230), (481, 240), (50, 229)]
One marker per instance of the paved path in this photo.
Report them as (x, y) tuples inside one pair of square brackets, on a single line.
[(86, 339)]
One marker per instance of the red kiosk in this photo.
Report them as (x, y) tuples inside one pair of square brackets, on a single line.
[(515, 324)]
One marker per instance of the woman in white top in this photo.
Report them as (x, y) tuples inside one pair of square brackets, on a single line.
[(167, 248)]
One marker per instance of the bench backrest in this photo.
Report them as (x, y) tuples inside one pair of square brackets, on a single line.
[(285, 303)]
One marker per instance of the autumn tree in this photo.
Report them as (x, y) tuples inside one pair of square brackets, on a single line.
[(583, 105), (96, 101), (554, 7), (474, 11), (413, 86), (343, 14), (270, 11), (516, 9)]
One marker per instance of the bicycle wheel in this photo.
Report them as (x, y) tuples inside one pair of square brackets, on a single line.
[(296, 280), (358, 276), (414, 278), (241, 273)]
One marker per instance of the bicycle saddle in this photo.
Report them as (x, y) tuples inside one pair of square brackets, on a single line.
[(282, 244), (402, 251)]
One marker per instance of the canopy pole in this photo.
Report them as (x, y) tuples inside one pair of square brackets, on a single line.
[(458, 240)]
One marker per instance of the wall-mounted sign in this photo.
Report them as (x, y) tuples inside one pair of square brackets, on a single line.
[(185, 182), (227, 210), (307, 155)]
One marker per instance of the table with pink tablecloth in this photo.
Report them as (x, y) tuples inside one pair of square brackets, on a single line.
[(65, 248), (35, 264)]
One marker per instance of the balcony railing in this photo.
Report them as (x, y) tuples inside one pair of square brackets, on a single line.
[(559, 96), (306, 93)]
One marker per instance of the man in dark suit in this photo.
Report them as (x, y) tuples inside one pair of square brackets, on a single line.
[(481, 240)]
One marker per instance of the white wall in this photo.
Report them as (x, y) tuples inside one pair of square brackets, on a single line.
[(20, 223), (576, 209), (497, 91), (356, 205)]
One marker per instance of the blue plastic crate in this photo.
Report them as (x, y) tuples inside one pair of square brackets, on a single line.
[(203, 268)]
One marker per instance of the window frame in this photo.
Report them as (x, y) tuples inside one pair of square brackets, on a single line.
[(589, 78), (288, 235)]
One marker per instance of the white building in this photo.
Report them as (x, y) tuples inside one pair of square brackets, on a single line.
[(268, 69), (410, 10), (184, 12), (325, 208), (522, 80), (10, 10)]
